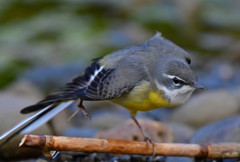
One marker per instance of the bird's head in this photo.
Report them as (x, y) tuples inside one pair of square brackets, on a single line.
[(177, 81)]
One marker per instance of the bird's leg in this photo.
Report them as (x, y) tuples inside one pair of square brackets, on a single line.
[(80, 108), (146, 139)]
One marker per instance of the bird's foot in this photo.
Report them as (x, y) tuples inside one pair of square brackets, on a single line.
[(85, 113), (148, 142), (80, 108)]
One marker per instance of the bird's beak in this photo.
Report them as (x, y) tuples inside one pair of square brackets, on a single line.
[(197, 86)]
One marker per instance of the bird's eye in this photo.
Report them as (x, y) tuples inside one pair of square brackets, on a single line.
[(177, 82), (188, 60)]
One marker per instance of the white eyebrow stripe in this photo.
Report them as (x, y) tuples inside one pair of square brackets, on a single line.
[(172, 76)]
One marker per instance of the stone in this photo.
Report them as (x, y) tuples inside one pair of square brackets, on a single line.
[(226, 130), (179, 159), (13, 99), (181, 133), (156, 131), (206, 107)]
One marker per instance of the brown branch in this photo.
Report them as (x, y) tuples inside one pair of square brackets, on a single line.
[(89, 145)]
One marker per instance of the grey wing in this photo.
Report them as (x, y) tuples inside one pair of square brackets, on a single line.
[(97, 83), (112, 82)]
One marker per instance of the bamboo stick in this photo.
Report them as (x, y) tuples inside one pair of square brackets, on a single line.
[(89, 145)]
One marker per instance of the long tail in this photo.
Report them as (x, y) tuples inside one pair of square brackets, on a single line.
[(33, 122), (52, 104)]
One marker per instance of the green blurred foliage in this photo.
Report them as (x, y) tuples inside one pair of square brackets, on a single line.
[(22, 10), (11, 71), (46, 33)]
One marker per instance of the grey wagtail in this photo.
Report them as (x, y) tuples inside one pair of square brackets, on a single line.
[(152, 75)]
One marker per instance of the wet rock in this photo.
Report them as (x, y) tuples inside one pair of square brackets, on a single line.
[(71, 156), (138, 158), (179, 159), (158, 132), (226, 130), (81, 157), (206, 107), (231, 160), (181, 133)]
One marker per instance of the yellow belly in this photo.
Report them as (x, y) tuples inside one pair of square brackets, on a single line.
[(142, 98)]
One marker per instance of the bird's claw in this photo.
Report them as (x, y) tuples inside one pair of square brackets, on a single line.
[(85, 113), (148, 142), (80, 108)]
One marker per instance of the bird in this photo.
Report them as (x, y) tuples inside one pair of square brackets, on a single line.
[(144, 77)]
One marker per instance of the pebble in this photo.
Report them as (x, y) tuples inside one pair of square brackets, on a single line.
[(226, 130), (179, 159), (156, 131)]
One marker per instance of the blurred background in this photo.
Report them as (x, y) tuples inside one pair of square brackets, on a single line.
[(45, 44)]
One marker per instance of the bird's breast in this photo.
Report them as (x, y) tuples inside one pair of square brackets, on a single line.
[(142, 98)]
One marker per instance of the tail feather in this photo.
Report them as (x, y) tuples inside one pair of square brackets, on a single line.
[(53, 104), (52, 99), (65, 94), (36, 107), (33, 122), (72, 91)]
